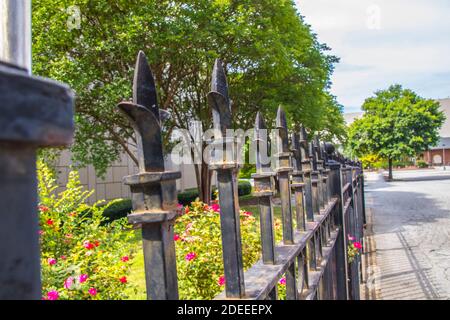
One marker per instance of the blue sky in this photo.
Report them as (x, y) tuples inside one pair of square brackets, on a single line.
[(381, 42)]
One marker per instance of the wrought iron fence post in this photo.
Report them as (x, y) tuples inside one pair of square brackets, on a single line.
[(153, 189), (298, 182), (335, 177), (264, 190), (283, 171), (226, 168), (307, 169), (34, 113)]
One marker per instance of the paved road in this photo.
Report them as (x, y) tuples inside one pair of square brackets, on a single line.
[(411, 218)]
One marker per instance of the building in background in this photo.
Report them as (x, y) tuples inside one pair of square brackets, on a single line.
[(435, 156), (440, 154)]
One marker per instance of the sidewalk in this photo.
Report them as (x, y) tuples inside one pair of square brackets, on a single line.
[(407, 247)]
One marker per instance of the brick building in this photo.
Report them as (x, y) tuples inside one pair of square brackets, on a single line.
[(440, 154)]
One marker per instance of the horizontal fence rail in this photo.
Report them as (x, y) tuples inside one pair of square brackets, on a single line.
[(321, 194)]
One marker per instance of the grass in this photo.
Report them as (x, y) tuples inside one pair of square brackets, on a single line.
[(137, 275)]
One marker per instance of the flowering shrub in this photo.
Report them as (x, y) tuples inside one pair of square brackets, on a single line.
[(199, 249), (82, 258), (353, 249)]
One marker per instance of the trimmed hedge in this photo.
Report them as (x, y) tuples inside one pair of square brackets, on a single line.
[(120, 208)]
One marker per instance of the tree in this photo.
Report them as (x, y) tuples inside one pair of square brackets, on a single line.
[(270, 54), (396, 122)]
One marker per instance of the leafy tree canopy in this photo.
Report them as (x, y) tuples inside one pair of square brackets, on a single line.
[(396, 122), (270, 54)]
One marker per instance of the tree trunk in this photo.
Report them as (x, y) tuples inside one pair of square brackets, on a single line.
[(203, 176), (390, 170)]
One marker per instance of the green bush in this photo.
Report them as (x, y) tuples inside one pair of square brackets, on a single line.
[(244, 188), (187, 196), (199, 249), (81, 257), (190, 195), (117, 209), (422, 164)]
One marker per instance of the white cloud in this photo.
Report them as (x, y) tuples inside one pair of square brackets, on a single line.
[(411, 46)]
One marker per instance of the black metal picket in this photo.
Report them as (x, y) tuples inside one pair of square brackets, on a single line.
[(327, 195)]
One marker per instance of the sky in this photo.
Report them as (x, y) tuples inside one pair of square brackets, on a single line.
[(382, 42)]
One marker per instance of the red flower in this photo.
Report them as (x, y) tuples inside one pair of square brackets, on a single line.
[(123, 280), (72, 214), (125, 259), (357, 245), (43, 208), (88, 245), (176, 237), (215, 207), (186, 210), (247, 214), (221, 281), (49, 222), (51, 261), (96, 243)]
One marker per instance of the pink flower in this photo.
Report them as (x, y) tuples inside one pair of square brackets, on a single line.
[(247, 214), (49, 222), (53, 295), (282, 281), (68, 283), (40, 232), (88, 245), (125, 259), (357, 245), (176, 237), (350, 238), (82, 278), (179, 206), (123, 280), (51, 261), (215, 207), (43, 208), (221, 281), (69, 236), (190, 256), (63, 257), (92, 291)]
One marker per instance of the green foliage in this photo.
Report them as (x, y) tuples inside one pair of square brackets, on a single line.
[(81, 257), (271, 56), (244, 188), (187, 196), (117, 209), (199, 250), (190, 195), (422, 164), (396, 123), (371, 161)]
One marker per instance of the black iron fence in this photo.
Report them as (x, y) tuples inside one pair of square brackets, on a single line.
[(316, 185)]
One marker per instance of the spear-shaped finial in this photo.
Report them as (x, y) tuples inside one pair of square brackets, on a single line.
[(262, 143), (281, 123), (143, 114), (218, 98)]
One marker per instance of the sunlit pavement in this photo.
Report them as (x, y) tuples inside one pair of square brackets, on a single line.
[(411, 224)]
